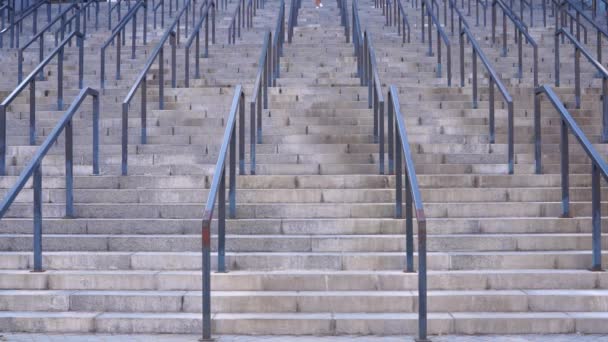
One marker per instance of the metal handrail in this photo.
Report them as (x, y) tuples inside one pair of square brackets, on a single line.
[(171, 34), (344, 18), (531, 8), (19, 21), (11, 18), (441, 35), (235, 25), (155, 7), (494, 79), (116, 7), (580, 13), (218, 191), (599, 166), (30, 81), (204, 17), (461, 19), (412, 199), (268, 72), (40, 37), (118, 33), (400, 17), (34, 169), (292, 20), (564, 20), (578, 49), (521, 31)]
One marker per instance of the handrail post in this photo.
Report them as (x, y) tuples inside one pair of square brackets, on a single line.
[(60, 79), (391, 147), (161, 78), (537, 133), (96, 134), (144, 114), (118, 54), (596, 218), (2, 140), (474, 67), (69, 171), (125, 138), (491, 123), (409, 222), (556, 58), (461, 41), (565, 169), (252, 139), (511, 148), (577, 77), (37, 184), (604, 109), (221, 224), (32, 112), (173, 43), (241, 152)]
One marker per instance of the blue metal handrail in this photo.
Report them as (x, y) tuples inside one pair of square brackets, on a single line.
[(599, 166), (402, 20), (34, 169), (6, 8), (218, 191), (40, 37), (19, 21), (601, 70), (30, 82), (344, 18), (237, 20), (521, 31), (412, 198), (441, 35), (580, 13), (172, 35), (268, 72), (155, 7), (494, 79), (461, 19), (119, 32), (195, 37), (116, 7), (292, 20)]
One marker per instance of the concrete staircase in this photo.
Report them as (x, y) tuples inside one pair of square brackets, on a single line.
[(315, 248)]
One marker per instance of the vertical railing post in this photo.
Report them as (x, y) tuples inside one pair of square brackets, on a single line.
[(398, 171), (221, 224), (577, 77), (596, 218), (565, 169), (96, 135), (173, 43), (537, 134), (161, 78), (241, 142), (124, 138), (604, 109), (144, 112), (491, 123), (474, 67), (37, 184), (409, 221), (60, 79), (2, 140), (119, 34), (69, 171), (32, 112)]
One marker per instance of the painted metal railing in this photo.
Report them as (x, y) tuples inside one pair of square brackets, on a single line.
[(115, 7), (269, 69), (400, 18), (578, 18), (367, 71), (34, 169), (17, 23), (576, 24), (30, 83), (292, 20), (7, 15), (40, 38), (521, 32), (172, 36), (601, 70), (343, 7), (484, 6), (599, 168), (236, 22), (206, 10), (413, 203), (117, 38), (155, 8), (494, 80), (426, 9), (218, 192)]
